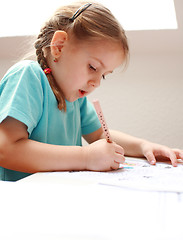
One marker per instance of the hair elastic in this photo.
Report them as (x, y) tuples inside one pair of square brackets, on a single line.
[(47, 70), (79, 11)]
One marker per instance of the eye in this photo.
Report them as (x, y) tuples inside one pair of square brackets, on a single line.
[(92, 67)]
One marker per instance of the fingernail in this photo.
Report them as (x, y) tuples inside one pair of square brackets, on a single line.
[(152, 162)]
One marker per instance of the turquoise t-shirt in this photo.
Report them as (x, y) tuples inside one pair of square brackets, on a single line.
[(25, 94)]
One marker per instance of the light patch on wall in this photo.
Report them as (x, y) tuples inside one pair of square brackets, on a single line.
[(22, 17), (144, 14)]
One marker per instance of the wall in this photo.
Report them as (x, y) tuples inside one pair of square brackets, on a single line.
[(146, 100)]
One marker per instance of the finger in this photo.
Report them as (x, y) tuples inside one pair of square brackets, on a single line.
[(119, 149), (178, 153), (119, 158), (150, 158), (168, 153), (115, 166), (173, 158)]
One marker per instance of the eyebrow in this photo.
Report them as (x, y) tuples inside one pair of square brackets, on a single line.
[(101, 63)]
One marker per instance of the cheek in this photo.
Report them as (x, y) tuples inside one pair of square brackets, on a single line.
[(73, 72), (78, 73)]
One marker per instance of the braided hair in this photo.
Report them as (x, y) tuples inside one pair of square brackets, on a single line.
[(43, 40)]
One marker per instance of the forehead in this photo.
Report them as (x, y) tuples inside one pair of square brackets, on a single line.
[(110, 53)]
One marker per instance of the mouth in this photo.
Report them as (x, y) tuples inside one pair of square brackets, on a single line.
[(82, 93)]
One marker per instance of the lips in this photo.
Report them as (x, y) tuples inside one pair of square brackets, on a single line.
[(82, 93)]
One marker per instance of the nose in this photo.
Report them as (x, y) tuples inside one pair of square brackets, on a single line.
[(94, 83)]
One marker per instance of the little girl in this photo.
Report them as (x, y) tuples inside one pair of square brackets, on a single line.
[(44, 111)]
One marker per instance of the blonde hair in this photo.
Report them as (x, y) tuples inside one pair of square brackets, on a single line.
[(96, 22)]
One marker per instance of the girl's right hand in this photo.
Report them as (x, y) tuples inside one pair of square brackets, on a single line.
[(103, 156)]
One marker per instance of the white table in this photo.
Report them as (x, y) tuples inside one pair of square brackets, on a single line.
[(56, 206)]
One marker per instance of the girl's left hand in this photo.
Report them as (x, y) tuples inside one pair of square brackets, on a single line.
[(153, 152)]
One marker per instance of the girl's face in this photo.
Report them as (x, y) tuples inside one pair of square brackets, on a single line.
[(81, 66)]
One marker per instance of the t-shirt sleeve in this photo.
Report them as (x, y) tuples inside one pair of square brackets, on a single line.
[(89, 119), (21, 95)]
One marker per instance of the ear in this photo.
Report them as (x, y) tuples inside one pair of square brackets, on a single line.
[(57, 43)]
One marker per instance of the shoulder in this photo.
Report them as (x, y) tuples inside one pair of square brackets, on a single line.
[(25, 72), (26, 66), (86, 107), (85, 104), (25, 78), (89, 119), (83, 101)]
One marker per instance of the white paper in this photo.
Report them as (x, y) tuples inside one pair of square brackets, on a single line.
[(136, 174)]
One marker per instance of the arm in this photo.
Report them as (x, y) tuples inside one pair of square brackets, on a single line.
[(131, 145), (19, 153), (137, 147)]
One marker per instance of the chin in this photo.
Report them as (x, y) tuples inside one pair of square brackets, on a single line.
[(71, 99)]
